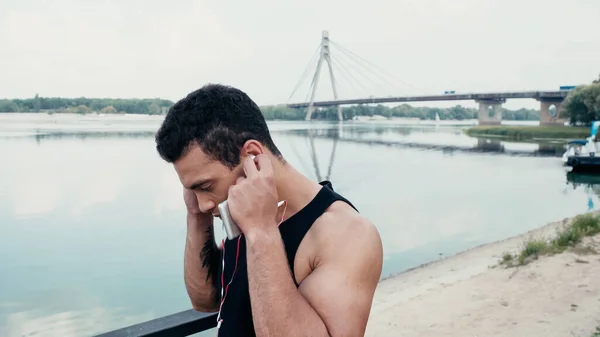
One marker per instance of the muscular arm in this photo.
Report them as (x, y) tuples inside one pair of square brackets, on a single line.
[(334, 300), (200, 264)]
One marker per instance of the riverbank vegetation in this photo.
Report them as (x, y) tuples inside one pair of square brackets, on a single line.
[(527, 132), (39, 104), (582, 105), (570, 236)]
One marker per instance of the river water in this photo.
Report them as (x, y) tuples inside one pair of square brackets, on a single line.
[(92, 224)]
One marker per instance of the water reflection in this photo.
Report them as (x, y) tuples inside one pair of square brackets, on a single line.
[(93, 135), (352, 134), (332, 134), (590, 183), (586, 180), (487, 145), (449, 141)]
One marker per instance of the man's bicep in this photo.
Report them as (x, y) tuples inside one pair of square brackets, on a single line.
[(341, 296)]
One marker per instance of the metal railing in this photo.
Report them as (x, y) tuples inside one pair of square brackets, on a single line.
[(179, 324)]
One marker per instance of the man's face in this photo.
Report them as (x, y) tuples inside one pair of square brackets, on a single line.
[(209, 179)]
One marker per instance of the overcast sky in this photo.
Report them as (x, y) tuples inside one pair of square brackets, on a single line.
[(152, 48)]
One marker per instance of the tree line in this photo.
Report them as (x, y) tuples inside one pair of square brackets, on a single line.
[(39, 104), (582, 105), (85, 105)]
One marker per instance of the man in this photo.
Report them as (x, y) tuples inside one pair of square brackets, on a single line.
[(314, 274)]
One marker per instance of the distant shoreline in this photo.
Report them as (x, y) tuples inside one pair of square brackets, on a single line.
[(158, 106), (362, 118), (526, 132)]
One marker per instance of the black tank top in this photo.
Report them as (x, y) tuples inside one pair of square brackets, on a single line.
[(236, 312)]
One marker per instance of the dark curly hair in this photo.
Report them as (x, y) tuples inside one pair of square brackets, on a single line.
[(219, 118)]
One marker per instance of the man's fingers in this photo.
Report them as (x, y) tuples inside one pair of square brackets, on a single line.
[(264, 164), (249, 167)]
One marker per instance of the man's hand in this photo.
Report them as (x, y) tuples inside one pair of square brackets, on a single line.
[(253, 199), (201, 256), (191, 202), (193, 209)]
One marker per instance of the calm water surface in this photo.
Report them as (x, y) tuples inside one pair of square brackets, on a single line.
[(92, 223)]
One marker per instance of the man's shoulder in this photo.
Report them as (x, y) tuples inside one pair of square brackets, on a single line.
[(341, 216), (341, 232)]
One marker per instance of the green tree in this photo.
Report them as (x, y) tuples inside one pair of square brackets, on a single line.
[(7, 105), (582, 105), (82, 110), (154, 109), (108, 110), (37, 104)]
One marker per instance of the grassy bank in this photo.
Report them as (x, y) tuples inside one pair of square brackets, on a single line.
[(568, 237), (524, 132)]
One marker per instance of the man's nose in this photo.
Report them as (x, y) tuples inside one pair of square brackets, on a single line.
[(206, 205)]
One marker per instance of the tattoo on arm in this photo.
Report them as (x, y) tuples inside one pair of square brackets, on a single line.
[(210, 255)]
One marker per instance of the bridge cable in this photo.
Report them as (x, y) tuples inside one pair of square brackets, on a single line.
[(367, 68), (342, 71), (357, 57), (306, 70), (389, 84), (347, 74), (344, 66), (338, 46), (358, 70)]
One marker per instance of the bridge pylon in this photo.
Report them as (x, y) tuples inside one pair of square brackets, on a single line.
[(325, 56)]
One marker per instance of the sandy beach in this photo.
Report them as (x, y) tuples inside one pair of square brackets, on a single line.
[(470, 294)]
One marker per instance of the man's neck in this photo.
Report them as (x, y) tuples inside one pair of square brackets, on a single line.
[(295, 188)]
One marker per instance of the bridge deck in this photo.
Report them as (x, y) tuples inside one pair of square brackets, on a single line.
[(539, 95)]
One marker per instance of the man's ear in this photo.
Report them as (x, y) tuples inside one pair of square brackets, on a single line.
[(251, 147)]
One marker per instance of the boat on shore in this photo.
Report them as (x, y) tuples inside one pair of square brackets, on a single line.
[(581, 153), (574, 148)]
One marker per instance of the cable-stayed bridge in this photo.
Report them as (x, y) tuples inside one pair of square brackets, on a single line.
[(357, 72)]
